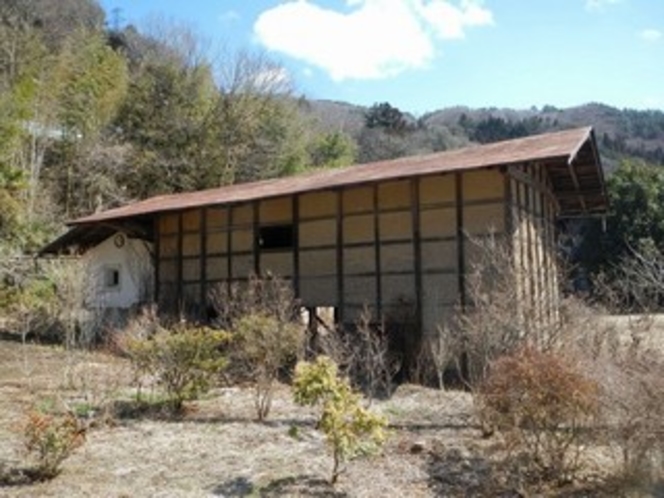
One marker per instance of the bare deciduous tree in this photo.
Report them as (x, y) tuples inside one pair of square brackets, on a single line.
[(363, 354), (503, 314)]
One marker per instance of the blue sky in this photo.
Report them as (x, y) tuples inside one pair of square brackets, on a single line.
[(423, 55)]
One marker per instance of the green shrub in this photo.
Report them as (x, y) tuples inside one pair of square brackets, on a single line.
[(350, 429), (264, 345), (52, 439), (30, 306), (46, 302), (185, 361), (541, 404)]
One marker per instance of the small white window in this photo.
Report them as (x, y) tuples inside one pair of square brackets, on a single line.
[(111, 278)]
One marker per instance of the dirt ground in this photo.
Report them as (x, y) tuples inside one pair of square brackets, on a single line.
[(218, 449)]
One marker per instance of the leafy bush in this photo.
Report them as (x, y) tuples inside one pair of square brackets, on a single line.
[(350, 429), (29, 303), (52, 439), (540, 403), (264, 345), (46, 302), (184, 361)]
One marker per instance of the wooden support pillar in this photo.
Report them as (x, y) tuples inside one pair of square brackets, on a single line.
[(521, 266), (341, 301), (229, 249), (156, 258), (255, 230), (296, 244), (460, 240), (540, 273), (509, 222), (377, 241), (180, 292), (203, 258), (417, 251), (530, 266)]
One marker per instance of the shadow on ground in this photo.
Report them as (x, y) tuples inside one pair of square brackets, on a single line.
[(18, 475), (302, 485), (456, 473), (238, 487)]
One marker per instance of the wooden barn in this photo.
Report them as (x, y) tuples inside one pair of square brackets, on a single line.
[(389, 235)]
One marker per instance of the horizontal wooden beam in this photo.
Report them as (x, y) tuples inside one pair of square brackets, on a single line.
[(520, 176)]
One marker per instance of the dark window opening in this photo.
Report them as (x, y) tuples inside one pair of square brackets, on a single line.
[(111, 277), (276, 237)]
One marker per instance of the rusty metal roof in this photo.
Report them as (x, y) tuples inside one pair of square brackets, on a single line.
[(560, 149)]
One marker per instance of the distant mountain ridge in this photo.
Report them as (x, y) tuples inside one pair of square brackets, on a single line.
[(620, 132)]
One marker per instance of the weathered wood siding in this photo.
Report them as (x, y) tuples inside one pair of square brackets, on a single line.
[(533, 213), (403, 247)]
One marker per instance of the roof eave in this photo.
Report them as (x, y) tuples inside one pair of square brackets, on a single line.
[(560, 147)]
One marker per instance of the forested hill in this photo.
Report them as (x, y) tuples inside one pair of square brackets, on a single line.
[(96, 114), (620, 132)]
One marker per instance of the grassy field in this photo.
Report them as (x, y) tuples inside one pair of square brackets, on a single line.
[(218, 449)]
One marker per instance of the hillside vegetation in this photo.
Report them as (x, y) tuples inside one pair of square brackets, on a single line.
[(94, 115), (621, 133)]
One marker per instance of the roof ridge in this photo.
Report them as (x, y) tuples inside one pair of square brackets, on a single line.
[(474, 156)]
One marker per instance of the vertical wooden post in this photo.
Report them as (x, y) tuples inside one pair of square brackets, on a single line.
[(551, 228), (157, 257), (417, 250), (509, 226), (540, 274), (180, 293), (510, 230), (534, 275), (529, 273), (548, 256), (229, 249), (256, 237), (460, 236), (296, 244), (203, 258), (341, 300), (377, 242), (520, 268)]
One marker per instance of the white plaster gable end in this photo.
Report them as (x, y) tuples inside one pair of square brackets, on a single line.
[(119, 272)]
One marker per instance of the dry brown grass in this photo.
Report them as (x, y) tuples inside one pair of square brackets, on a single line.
[(218, 449)]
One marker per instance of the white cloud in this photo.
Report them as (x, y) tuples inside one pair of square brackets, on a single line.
[(374, 39), (450, 21), (600, 4), (229, 16), (650, 35)]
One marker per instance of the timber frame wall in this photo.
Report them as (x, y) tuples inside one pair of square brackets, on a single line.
[(534, 208), (399, 246)]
